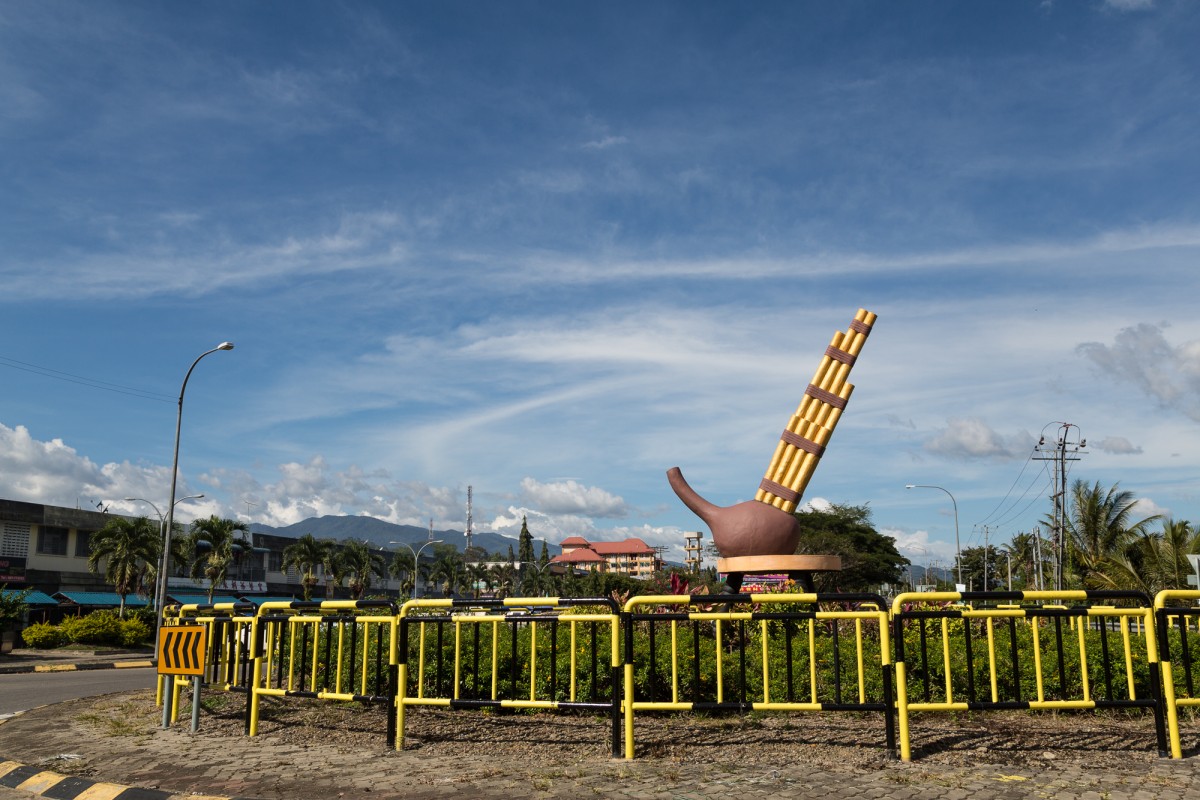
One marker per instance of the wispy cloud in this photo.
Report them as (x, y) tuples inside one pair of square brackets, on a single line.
[(1142, 357)]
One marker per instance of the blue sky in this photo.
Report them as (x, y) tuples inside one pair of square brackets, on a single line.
[(550, 250)]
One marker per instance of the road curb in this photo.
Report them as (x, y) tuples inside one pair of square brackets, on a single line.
[(47, 783)]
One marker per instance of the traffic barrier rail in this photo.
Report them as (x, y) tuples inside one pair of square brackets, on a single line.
[(509, 653), (1085, 679), (773, 682), (1179, 689), (340, 650)]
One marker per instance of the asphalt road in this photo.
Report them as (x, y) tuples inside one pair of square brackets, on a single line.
[(24, 691)]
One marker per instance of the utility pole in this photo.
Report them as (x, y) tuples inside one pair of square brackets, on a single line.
[(1062, 451), (985, 557), (1037, 558)]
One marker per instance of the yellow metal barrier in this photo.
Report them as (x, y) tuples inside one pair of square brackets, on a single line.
[(509, 653), (770, 684), (950, 683), (342, 650), (1175, 609)]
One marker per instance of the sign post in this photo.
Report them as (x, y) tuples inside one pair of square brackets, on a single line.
[(181, 652)]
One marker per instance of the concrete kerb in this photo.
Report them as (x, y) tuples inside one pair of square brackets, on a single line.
[(25, 661), (47, 783)]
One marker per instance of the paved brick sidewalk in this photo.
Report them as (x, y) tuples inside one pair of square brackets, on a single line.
[(178, 763)]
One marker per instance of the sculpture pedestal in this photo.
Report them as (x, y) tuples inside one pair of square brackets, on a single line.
[(798, 568)]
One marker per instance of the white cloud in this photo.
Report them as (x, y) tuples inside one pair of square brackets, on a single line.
[(1117, 445), (1129, 5), (1141, 356), (605, 143), (917, 547), (54, 473), (971, 439), (570, 497)]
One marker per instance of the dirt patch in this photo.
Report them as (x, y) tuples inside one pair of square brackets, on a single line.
[(315, 750), (827, 741)]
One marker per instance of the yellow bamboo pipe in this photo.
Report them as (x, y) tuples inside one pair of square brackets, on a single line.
[(815, 430), (803, 468), (784, 463), (785, 451), (822, 379)]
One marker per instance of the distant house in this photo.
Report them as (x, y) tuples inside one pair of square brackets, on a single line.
[(632, 557)]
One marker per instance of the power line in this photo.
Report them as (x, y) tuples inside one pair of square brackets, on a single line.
[(80, 380), (1028, 461)]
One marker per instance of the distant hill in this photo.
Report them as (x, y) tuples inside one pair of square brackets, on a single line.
[(382, 533)]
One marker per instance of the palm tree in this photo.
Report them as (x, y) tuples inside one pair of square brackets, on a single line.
[(360, 563), (1098, 526), (504, 577), (479, 573), (402, 569), (129, 548), (1024, 555), (305, 555), (220, 539), (334, 568), (1155, 561), (446, 571)]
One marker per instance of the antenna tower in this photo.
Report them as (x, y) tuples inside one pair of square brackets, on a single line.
[(469, 528)]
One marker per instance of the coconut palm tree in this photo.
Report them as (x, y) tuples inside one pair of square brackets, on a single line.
[(306, 554), (1098, 526), (361, 564), (1024, 555), (402, 569), (479, 573), (334, 568), (213, 545), (1157, 560), (129, 548), (446, 571), (504, 578)]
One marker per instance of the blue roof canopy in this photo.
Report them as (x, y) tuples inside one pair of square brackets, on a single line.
[(102, 599), (35, 597), (200, 599)]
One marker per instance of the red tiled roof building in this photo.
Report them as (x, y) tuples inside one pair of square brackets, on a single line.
[(631, 557)]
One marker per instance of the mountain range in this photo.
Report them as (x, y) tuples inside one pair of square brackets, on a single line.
[(383, 534)]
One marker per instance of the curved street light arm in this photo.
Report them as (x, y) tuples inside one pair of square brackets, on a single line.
[(957, 546), (160, 601)]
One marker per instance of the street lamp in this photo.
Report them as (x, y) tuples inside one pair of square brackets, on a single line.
[(957, 546), (164, 564), (416, 554), (162, 586)]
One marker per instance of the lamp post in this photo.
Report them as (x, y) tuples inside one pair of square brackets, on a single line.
[(416, 554), (164, 564), (162, 586), (957, 546)]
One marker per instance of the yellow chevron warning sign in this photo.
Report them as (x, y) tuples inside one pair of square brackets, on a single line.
[(181, 650)]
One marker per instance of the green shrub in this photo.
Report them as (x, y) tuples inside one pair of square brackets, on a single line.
[(43, 636), (134, 632), (99, 627)]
